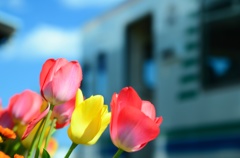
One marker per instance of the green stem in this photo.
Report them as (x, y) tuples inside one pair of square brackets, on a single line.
[(34, 142), (53, 123), (118, 153), (45, 126), (73, 146)]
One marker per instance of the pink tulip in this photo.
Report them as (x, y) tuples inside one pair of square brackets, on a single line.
[(59, 80), (133, 122), (25, 106), (63, 113)]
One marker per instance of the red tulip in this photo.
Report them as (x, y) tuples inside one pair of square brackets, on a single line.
[(133, 122), (63, 113), (25, 106), (59, 80)]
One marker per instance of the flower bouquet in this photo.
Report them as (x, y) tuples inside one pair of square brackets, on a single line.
[(30, 119)]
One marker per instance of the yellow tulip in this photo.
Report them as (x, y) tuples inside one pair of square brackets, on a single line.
[(89, 119)]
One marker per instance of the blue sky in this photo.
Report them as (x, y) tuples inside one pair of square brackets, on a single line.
[(44, 29)]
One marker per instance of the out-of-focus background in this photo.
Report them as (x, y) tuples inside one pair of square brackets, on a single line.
[(184, 56)]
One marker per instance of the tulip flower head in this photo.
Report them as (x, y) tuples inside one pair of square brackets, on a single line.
[(63, 113), (25, 106), (133, 122), (59, 80), (89, 119)]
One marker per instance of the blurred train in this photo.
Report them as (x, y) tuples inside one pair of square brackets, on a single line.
[(184, 56)]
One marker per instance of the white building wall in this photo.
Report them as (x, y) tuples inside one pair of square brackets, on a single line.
[(205, 107)]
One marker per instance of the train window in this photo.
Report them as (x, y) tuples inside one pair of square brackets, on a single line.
[(221, 49)]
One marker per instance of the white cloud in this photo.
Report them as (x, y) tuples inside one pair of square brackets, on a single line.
[(88, 3), (48, 41), (44, 42)]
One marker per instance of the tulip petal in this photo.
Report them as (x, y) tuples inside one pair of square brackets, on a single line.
[(47, 93), (12, 101), (45, 70), (63, 123), (50, 67), (34, 122), (148, 109), (31, 106), (91, 131), (126, 97), (25, 106), (79, 97), (158, 120), (105, 119), (114, 108), (63, 113), (84, 115), (135, 129), (66, 81), (26, 142), (129, 97)]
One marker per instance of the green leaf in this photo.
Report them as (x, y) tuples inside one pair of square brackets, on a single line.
[(45, 154)]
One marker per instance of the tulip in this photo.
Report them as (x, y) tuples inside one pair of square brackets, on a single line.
[(59, 80), (89, 119), (63, 113), (25, 106), (133, 122)]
